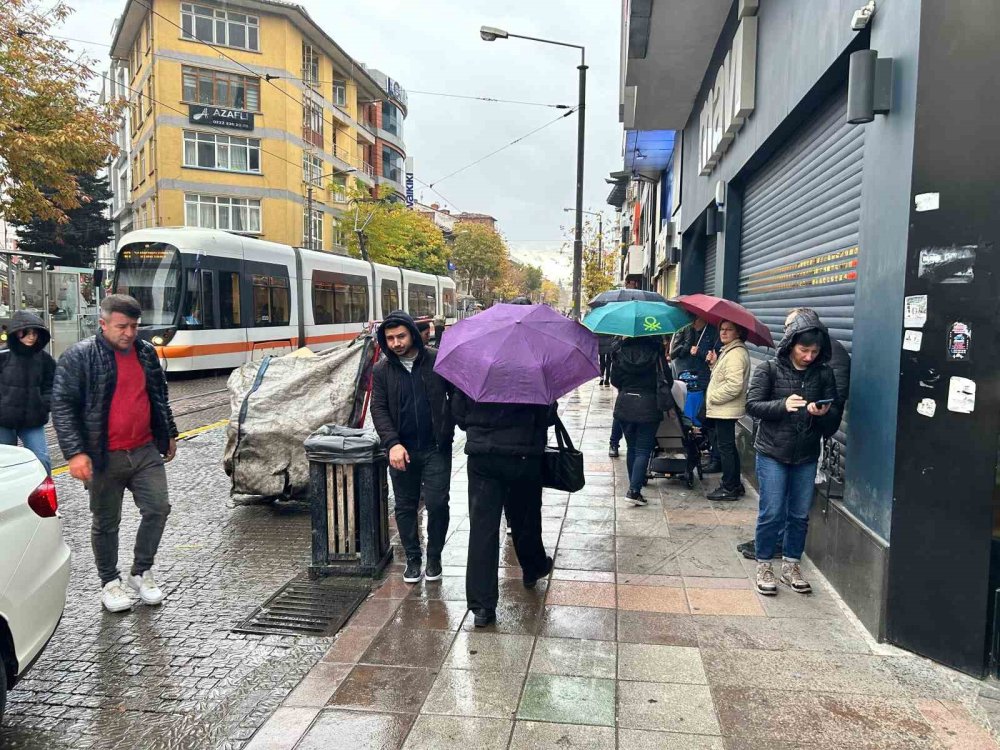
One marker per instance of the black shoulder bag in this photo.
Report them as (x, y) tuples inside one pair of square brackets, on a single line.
[(562, 466), (664, 387)]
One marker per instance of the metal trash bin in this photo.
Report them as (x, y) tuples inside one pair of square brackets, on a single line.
[(349, 501)]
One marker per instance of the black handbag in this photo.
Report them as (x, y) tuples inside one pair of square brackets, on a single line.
[(562, 466), (664, 387)]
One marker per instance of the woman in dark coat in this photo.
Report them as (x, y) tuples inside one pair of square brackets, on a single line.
[(505, 444), (794, 397), (26, 375), (637, 369)]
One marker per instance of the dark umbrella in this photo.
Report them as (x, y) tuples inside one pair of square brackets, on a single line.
[(625, 295), (517, 354), (715, 310)]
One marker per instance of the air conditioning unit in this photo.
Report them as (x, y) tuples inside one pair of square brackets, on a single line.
[(675, 256), (635, 261)]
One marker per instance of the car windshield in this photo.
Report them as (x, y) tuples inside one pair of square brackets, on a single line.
[(150, 272)]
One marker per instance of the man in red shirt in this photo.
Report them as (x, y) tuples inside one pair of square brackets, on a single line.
[(112, 416)]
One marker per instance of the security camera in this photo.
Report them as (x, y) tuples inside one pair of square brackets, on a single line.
[(862, 16)]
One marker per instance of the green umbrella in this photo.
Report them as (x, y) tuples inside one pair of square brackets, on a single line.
[(637, 318)]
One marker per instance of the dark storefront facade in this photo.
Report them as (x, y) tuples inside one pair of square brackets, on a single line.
[(793, 206)]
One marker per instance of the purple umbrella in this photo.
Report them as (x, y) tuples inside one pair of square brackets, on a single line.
[(517, 354)]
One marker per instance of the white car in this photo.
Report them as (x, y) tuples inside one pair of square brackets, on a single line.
[(34, 564)]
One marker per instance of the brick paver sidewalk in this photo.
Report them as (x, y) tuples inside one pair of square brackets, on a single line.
[(648, 635)]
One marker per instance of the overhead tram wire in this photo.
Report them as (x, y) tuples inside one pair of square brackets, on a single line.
[(438, 193), (503, 148), (490, 99)]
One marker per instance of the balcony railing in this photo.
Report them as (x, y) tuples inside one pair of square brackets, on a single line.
[(368, 169)]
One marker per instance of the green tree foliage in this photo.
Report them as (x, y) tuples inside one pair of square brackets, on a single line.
[(481, 258), (532, 279), (399, 237), (84, 229), (52, 129)]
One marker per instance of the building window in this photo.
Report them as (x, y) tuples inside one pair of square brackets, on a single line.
[(213, 87), (392, 164), (152, 155), (338, 191), (392, 119), (339, 298), (421, 300), (310, 65), (312, 169), (142, 164), (314, 218), (390, 296), (221, 27), (228, 153), (340, 93), (270, 300), (222, 212), (149, 95), (312, 123), (337, 233)]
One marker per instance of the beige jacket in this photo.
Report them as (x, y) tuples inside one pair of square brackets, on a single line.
[(726, 397)]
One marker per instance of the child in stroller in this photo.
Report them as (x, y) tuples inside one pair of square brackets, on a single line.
[(679, 442)]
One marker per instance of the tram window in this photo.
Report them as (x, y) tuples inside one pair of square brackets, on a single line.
[(422, 300), (390, 296), (193, 317), (448, 302), (229, 300), (339, 298), (271, 302), (208, 299)]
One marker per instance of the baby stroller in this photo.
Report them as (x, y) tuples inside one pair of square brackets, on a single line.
[(678, 449)]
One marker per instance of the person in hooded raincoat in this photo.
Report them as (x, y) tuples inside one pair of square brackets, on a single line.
[(794, 397), (27, 372)]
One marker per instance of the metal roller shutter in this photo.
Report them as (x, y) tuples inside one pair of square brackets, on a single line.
[(711, 246), (799, 239)]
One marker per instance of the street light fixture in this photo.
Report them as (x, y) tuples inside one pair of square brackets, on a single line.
[(491, 34), (309, 200)]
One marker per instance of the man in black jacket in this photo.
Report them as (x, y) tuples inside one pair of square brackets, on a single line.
[(689, 350), (505, 444), (112, 416), (412, 417)]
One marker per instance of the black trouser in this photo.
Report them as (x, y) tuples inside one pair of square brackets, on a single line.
[(724, 437), (606, 367), (140, 471), (429, 473), (502, 483)]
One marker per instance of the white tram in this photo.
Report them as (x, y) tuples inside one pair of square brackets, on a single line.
[(211, 299)]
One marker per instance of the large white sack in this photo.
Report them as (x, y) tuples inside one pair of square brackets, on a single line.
[(295, 396)]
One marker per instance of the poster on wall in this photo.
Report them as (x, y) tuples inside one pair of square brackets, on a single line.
[(915, 311), (959, 342)]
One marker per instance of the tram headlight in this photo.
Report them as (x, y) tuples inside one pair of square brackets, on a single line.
[(157, 341)]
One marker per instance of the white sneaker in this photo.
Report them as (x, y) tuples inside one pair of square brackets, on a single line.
[(115, 597), (149, 592)]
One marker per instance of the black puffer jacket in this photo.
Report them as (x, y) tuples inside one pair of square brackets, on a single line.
[(26, 376), (85, 382), (707, 340), (637, 367), (793, 437), (502, 429), (605, 343), (840, 358), (387, 389)]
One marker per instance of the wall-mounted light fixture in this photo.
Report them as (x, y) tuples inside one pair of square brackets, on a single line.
[(869, 86), (720, 193)]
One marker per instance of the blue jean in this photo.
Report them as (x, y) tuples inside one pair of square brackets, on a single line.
[(640, 438), (32, 438), (616, 433), (786, 493)]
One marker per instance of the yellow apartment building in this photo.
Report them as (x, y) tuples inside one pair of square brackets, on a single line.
[(235, 108)]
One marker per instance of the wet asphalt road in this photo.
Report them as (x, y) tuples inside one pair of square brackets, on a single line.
[(172, 676)]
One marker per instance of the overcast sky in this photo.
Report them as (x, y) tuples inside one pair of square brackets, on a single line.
[(434, 46)]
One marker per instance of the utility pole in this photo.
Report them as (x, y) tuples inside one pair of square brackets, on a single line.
[(578, 230), (600, 242)]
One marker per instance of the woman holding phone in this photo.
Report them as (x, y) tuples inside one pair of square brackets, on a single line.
[(794, 397)]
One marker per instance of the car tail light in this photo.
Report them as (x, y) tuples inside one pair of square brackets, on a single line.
[(43, 499)]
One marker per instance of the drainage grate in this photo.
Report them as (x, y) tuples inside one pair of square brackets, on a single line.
[(302, 607)]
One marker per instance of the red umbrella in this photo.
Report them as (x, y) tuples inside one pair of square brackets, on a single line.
[(715, 310)]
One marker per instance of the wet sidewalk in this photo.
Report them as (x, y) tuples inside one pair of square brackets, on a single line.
[(648, 635)]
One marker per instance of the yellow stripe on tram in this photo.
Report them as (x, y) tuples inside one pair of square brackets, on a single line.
[(183, 436)]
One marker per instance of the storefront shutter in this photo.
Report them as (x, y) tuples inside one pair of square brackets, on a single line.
[(799, 239), (711, 246)]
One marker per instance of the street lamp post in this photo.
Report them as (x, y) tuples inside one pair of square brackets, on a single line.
[(600, 235), (491, 34), (309, 201)]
